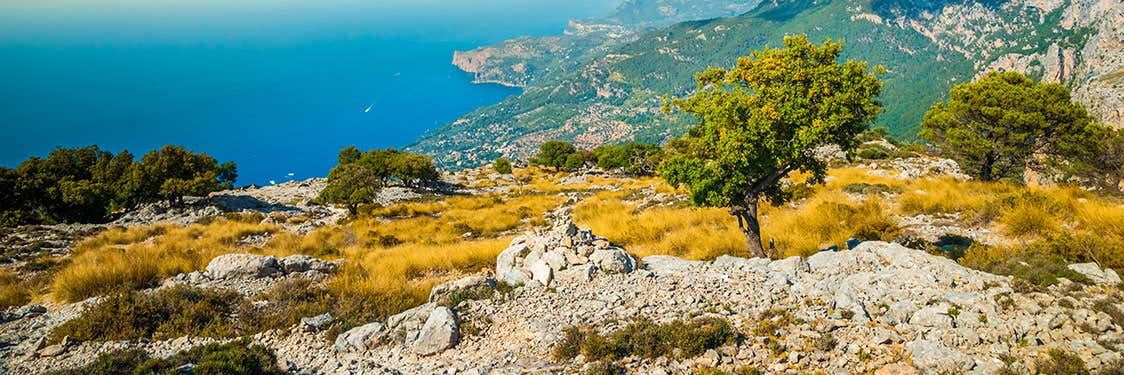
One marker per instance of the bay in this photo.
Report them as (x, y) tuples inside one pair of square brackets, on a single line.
[(276, 86)]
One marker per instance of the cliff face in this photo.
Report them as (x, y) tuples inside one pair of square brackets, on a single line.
[(601, 82)]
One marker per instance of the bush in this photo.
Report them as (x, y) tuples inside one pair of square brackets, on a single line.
[(502, 166), (1038, 268), (235, 358), (1060, 361), (167, 313), (644, 338)]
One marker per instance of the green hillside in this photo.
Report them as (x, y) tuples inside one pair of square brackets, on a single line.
[(617, 94)]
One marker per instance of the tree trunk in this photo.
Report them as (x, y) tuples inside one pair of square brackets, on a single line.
[(747, 221), (986, 168)]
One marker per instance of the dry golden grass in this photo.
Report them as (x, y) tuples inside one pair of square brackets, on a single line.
[(141, 257), (828, 218), (693, 233), (12, 292), (401, 254)]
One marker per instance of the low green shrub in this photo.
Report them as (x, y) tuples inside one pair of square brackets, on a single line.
[(1035, 267), (644, 338), (1060, 361), (167, 313), (234, 358)]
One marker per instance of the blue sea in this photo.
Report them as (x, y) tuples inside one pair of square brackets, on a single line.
[(278, 86)]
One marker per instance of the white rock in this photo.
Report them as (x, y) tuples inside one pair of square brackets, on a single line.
[(613, 260), (360, 338), (541, 272), (236, 266), (439, 333), (1096, 274)]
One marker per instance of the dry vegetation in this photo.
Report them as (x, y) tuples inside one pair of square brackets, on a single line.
[(395, 254)]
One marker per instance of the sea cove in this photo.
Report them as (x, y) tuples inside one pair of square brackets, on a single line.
[(276, 86)]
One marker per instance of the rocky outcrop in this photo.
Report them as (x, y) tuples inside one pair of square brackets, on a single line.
[(250, 274), (538, 257)]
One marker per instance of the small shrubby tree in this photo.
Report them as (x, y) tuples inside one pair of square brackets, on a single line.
[(762, 119), (554, 154), (360, 175), (996, 126), (502, 166), (351, 185), (633, 158)]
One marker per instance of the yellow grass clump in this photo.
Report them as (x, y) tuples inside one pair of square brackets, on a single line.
[(141, 257), (12, 292), (693, 233)]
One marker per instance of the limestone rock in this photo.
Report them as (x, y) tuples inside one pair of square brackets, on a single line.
[(439, 333), (471, 286), (305, 263), (1096, 274), (360, 338), (613, 260), (235, 266)]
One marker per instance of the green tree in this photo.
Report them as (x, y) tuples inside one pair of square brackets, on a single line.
[(502, 166), (574, 161), (1097, 163), (633, 158), (349, 154), (412, 169), (351, 185), (762, 120), (993, 127), (553, 154), (173, 172)]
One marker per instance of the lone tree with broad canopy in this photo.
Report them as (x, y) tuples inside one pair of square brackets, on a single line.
[(994, 127), (763, 119)]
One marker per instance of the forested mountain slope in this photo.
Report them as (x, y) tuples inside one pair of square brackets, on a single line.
[(610, 92)]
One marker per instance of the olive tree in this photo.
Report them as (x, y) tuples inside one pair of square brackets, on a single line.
[(762, 119)]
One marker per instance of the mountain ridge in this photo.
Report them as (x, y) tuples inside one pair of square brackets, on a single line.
[(613, 94)]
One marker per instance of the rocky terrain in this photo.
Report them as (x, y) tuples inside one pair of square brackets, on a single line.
[(878, 307)]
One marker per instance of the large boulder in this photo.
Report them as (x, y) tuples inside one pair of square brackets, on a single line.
[(613, 260), (439, 333), (360, 338), (243, 266), (471, 287), (305, 263), (405, 326), (1096, 274)]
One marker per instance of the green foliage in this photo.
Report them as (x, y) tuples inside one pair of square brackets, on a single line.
[(1040, 269), (554, 154), (87, 184), (234, 358), (359, 175), (1097, 162), (762, 120), (574, 161), (644, 338), (351, 185), (1061, 361), (502, 166), (167, 313), (633, 158), (993, 127)]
